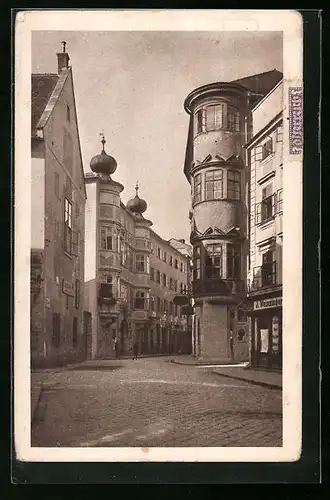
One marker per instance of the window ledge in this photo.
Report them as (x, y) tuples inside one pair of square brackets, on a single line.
[(266, 177), (267, 223)]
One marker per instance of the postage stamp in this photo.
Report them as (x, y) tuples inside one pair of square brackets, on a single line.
[(296, 122)]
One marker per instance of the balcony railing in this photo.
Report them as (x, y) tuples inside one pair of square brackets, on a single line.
[(222, 287), (265, 276)]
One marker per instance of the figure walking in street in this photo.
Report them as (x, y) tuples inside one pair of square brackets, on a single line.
[(135, 349), (231, 345), (117, 347)]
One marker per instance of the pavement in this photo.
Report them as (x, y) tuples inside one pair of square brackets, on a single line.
[(151, 402), (237, 371)]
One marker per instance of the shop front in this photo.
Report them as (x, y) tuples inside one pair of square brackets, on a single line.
[(266, 332)]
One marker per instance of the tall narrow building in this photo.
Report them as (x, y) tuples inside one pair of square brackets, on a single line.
[(215, 166), (58, 199)]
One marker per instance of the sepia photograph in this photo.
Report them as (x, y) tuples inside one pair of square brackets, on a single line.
[(157, 254)]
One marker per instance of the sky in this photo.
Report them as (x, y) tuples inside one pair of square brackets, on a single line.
[(131, 86)]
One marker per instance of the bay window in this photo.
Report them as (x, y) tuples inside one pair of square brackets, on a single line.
[(215, 117), (233, 261), (233, 185), (197, 263), (106, 238), (232, 119), (197, 188), (142, 263), (213, 262), (141, 300), (214, 185)]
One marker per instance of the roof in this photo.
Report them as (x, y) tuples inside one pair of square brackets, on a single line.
[(42, 87), (260, 83)]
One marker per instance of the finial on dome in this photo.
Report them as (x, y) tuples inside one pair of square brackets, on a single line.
[(103, 141), (137, 205), (103, 163), (137, 188)]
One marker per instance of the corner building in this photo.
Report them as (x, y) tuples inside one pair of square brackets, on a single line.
[(215, 166), (131, 273)]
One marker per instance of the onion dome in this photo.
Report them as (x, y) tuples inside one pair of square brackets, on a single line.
[(137, 205), (103, 163)]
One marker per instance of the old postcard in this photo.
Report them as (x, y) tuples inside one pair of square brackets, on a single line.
[(158, 262)]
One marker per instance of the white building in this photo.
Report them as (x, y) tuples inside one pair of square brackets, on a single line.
[(265, 159)]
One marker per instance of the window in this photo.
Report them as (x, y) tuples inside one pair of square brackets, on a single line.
[(164, 256), (123, 293), (106, 286), (213, 185), (267, 148), (280, 201), (215, 117), (176, 263), (233, 185), (77, 295), (77, 210), (158, 305), (181, 287), (171, 261), (241, 315), (171, 283), (196, 263), (158, 276), (200, 121), (175, 286), (158, 252), (181, 267), (106, 238), (197, 188), (164, 280), (233, 261), (268, 268), (267, 203), (57, 184), (213, 263), (152, 274), (232, 119), (141, 300), (67, 226), (152, 303), (142, 263)]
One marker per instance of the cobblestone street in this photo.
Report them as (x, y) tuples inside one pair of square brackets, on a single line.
[(153, 402)]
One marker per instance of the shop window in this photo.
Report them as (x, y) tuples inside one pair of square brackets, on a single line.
[(197, 188), (233, 261), (214, 185), (67, 226), (196, 263), (233, 185), (267, 148), (213, 262)]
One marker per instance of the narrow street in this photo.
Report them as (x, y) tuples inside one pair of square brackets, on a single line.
[(153, 402)]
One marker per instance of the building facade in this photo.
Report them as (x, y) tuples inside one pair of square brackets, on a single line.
[(58, 199), (131, 273), (215, 165), (265, 153)]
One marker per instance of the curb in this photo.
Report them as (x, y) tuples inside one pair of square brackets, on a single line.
[(249, 381), (197, 364)]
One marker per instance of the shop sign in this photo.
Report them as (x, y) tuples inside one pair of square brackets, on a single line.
[(275, 334), (67, 288), (267, 303)]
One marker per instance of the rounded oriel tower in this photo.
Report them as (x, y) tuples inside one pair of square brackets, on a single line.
[(215, 167)]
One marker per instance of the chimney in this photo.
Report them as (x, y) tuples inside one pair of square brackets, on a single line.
[(63, 59)]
